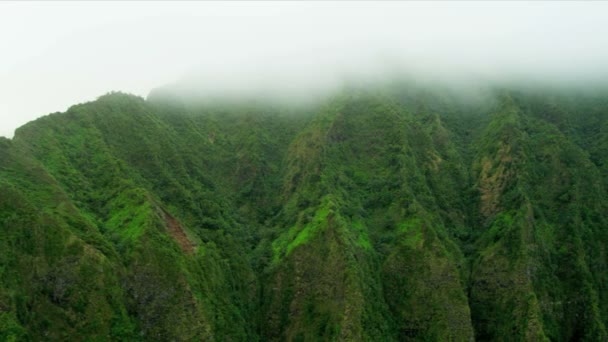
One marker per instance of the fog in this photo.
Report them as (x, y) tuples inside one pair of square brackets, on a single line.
[(58, 54)]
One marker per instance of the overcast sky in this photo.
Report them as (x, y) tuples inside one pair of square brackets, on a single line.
[(56, 54)]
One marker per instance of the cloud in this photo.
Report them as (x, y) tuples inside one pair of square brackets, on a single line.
[(55, 55)]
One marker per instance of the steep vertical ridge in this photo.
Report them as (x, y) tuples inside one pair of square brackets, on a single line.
[(530, 273), (373, 215)]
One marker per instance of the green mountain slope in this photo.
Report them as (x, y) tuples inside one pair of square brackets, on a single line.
[(397, 213)]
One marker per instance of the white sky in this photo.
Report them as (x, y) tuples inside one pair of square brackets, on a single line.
[(56, 54)]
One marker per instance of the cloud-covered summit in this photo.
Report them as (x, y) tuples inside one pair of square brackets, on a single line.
[(55, 55)]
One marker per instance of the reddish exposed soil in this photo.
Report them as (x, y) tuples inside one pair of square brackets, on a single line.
[(177, 232)]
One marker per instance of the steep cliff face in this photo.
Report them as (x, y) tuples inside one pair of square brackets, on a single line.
[(374, 215), (532, 276)]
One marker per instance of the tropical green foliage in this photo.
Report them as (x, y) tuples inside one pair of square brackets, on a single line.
[(397, 213)]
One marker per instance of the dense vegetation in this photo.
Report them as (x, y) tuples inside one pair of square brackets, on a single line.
[(398, 213)]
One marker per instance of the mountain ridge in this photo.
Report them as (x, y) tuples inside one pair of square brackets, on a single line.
[(388, 214)]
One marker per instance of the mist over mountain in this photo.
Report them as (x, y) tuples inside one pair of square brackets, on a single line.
[(75, 52), (304, 171)]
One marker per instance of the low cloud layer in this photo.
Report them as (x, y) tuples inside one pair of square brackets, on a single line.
[(58, 54)]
